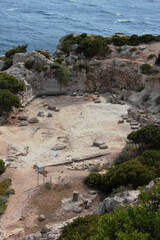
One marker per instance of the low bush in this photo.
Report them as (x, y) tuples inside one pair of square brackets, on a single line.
[(11, 83), (10, 53), (82, 65), (151, 56), (59, 60), (62, 73), (40, 68), (146, 68), (19, 49), (157, 100), (48, 185), (4, 193), (157, 62), (147, 137), (44, 53), (2, 166), (129, 152), (29, 64), (8, 100)]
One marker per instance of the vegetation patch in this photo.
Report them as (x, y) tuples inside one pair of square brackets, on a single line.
[(40, 68), (5, 191), (2, 166), (62, 73), (157, 100), (151, 56), (82, 65), (44, 53), (157, 62), (59, 60), (11, 83), (8, 100), (10, 54), (146, 98), (29, 64)]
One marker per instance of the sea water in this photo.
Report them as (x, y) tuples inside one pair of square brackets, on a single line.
[(41, 23)]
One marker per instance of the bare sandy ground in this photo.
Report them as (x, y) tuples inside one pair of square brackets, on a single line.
[(78, 124)]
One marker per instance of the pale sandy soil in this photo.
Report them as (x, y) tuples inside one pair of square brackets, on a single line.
[(77, 124)]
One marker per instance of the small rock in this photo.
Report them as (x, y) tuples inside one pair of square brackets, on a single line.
[(77, 209), (134, 127), (89, 204), (51, 108), (22, 118), (57, 110), (34, 120), (92, 192), (97, 142), (97, 101), (59, 147), (40, 114), (103, 146), (120, 121), (23, 124), (41, 218), (45, 105), (43, 96), (49, 115), (86, 95)]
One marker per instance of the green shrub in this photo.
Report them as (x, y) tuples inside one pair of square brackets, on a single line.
[(151, 56), (129, 152), (133, 49), (146, 68), (4, 185), (119, 41), (44, 53), (8, 100), (157, 100), (59, 60), (62, 72), (11, 83), (146, 97), (48, 185), (157, 62), (29, 64), (7, 63), (40, 68), (146, 137), (2, 166), (14, 50), (82, 65), (132, 172)]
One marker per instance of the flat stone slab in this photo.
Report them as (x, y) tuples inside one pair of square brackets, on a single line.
[(78, 159)]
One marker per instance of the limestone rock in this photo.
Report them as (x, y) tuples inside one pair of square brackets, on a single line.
[(41, 218), (97, 142), (51, 108), (23, 124), (59, 147), (40, 114), (22, 118), (103, 146), (49, 115), (34, 120), (77, 209)]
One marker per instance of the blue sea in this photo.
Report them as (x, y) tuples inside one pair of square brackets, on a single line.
[(41, 23)]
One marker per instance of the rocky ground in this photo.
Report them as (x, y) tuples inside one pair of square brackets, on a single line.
[(75, 126)]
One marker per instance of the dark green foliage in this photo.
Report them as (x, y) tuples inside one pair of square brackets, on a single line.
[(147, 137), (146, 68), (59, 60), (125, 223), (29, 64), (157, 62), (11, 83), (62, 73), (93, 180), (48, 185), (119, 41), (146, 98), (4, 189), (80, 228), (2, 166), (82, 65), (151, 56), (132, 172), (8, 63), (40, 68), (157, 100), (129, 152), (8, 100), (44, 53), (14, 50), (146, 38)]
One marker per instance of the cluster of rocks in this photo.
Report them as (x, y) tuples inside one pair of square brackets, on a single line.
[(78, 202), (115, 99), (100, 144), (120, 199)]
